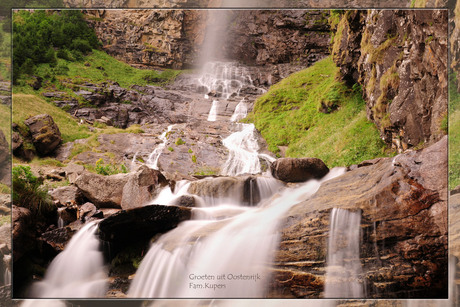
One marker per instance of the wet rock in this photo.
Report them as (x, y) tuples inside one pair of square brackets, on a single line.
[(133, 225), (45, 133), (141, 187), (103, 191), (23, 233), (58, 238), (404, 228), (68, 214), (186, 201), (298, 170)]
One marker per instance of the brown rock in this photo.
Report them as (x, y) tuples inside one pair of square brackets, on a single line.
[(45, 133), (298, 170), (103, 191), (400, 60), (404, 227), (141, 187)]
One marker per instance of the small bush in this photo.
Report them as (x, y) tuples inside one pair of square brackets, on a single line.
[(179, 141), (29, 192), (109, 169)]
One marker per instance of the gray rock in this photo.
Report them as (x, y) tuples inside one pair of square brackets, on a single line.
[(142, 186), (45, 133), (103, 191), (66, 195)]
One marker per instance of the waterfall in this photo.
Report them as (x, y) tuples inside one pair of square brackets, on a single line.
[(219, 255), (243, 149), (343, 262), (241, 111), (212, 117), (78, 271), (152, 161)]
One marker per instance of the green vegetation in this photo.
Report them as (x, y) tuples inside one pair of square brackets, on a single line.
[(206, 171), (107, 169), (25, 106), (315, 115), (29, 191), (454, 134), (4, 189), (179, 142), (170, 149), (37, 36), (194, 159)]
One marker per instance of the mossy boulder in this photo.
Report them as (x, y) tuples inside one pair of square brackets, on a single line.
[(45, 134)]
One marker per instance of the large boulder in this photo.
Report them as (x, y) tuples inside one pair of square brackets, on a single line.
[(403, 249), (45, 133), (142, 186), (133, 225), (67, 195), (298, 170), (102, 191)]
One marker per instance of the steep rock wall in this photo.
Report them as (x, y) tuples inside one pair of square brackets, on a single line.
[(403, 249), (400, 60), (260, 3), (174, 38)]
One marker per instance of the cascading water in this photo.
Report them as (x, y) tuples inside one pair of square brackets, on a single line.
[(152, 161), (226, 257), (78, 271), (243, 149), (241, 111), (212, 117), (343, 262), (223, 79)]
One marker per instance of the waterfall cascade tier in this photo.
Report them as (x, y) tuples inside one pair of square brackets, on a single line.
[(222, 252), (343, 262), (77, 272)]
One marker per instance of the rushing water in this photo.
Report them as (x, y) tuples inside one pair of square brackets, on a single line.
[(212, 117), (343, 262), (241, 111), (222, 252), (243, 157), (152, 161), (78, 271)]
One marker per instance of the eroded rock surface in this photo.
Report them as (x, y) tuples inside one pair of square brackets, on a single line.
[(44, 132), (404, 228), (400, 60)]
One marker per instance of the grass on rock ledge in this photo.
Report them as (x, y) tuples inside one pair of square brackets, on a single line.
[(315, 115)]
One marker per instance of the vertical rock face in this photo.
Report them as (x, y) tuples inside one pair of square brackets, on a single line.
[(403, 229), (455, 42), (174, 38), (400, 60)]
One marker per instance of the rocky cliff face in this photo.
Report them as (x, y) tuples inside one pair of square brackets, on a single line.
[(403, 250), (269, 3), (455, 42), (174, 38), (400, 60)]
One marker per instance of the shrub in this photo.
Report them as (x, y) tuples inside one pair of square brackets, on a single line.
[(109, 169), (29, 191)]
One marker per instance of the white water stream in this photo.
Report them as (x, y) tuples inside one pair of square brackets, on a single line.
[(153, 158), (222, 255), (78, 271), (343, 262)]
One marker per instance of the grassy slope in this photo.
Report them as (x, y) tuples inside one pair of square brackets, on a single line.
[(27, 105), (90, 70), (288, 115)]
